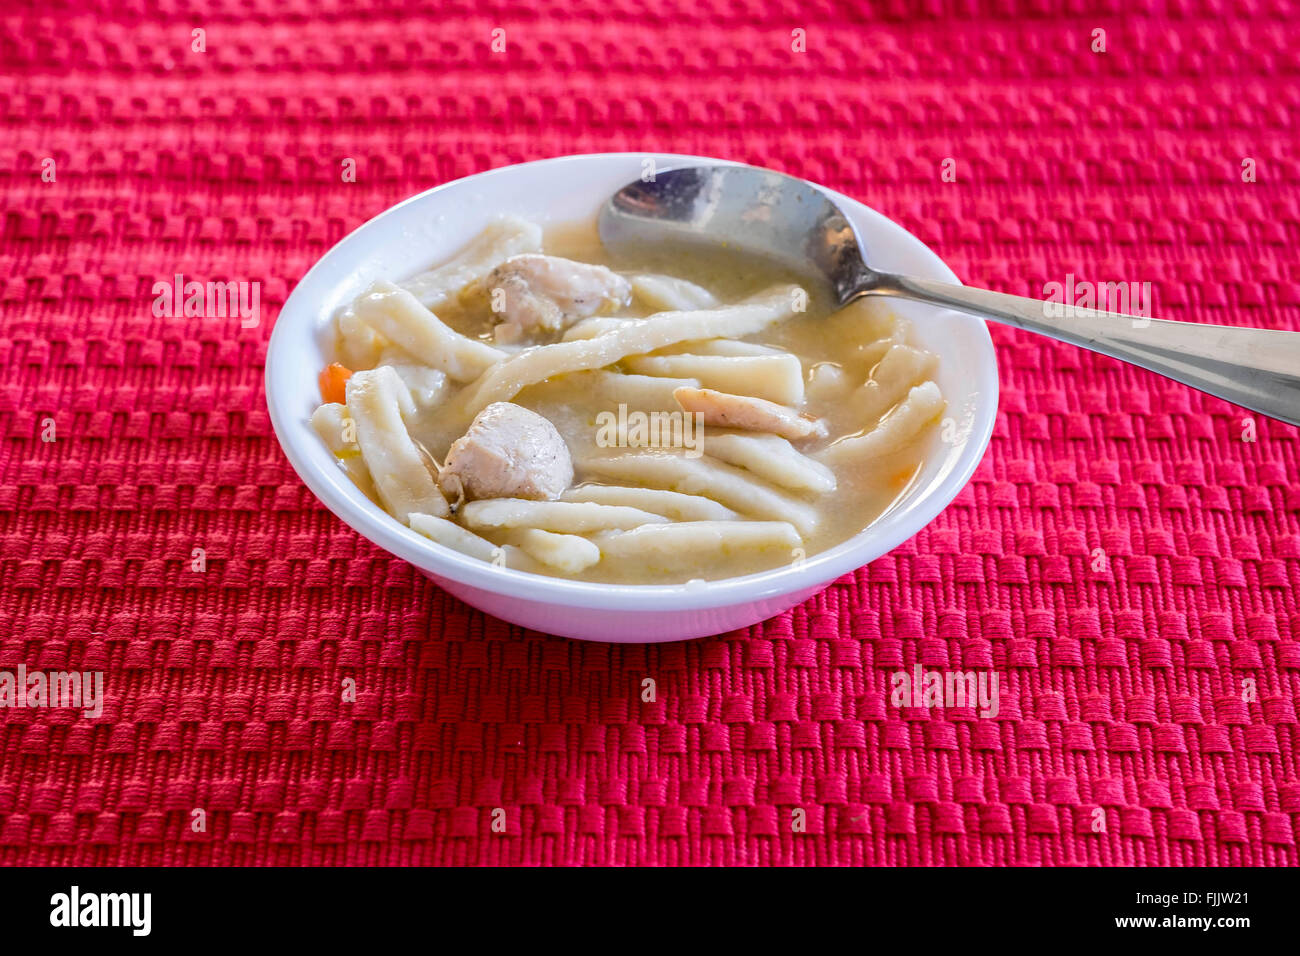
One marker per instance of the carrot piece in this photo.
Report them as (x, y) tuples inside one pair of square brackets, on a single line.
[(333, 383)]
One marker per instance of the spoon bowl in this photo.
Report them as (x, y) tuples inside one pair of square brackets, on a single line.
[(758, 211)]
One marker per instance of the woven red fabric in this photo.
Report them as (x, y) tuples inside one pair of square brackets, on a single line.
[(1124, 559)]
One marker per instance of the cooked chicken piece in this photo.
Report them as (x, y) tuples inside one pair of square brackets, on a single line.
[(508, 452), (744, 411), (534, 293)]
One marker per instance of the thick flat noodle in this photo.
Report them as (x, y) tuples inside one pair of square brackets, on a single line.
[(867, 355), (733, 487), (697, 538), (775, 378), (770, 457), (646, 393), (427, 386), (400, 319), (860, 326), (720, 347), (592, 327), (671, 504), (500, 240), (332, 424), (359, 345), (568, 517), (330, 421), (923, 404), (670, 294), (827, 383), (503, 381), (564, 552), (451, 535), (900, 368), (401, 477)]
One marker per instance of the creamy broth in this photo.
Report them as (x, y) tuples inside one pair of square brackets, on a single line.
[(842, 382)]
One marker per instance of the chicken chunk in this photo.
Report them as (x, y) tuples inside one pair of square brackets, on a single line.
[(534, 293), (746, 412), (508, 452)]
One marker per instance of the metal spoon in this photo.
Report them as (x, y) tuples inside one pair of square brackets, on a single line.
[(788, 219)]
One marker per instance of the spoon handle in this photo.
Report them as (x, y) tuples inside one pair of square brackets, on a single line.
[(1257, 369)]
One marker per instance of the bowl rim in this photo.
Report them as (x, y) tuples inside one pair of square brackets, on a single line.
[(880, 537)]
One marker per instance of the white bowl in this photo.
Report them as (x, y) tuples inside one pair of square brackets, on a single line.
[(433, 225)]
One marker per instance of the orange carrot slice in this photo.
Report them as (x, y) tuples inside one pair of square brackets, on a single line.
[(333, 382)]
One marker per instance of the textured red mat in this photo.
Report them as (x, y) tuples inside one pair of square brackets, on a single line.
[(1156, 685)]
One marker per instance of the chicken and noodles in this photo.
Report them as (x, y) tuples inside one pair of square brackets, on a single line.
[(692, 414)]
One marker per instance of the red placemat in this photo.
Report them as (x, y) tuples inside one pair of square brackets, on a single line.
[(1123, 560)]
